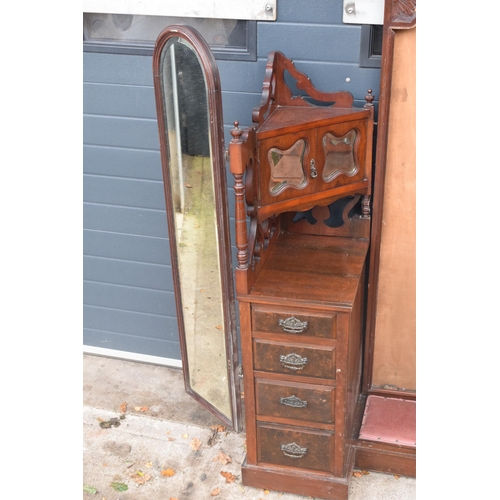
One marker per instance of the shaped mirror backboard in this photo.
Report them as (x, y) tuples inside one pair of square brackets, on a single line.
[(188, 101)]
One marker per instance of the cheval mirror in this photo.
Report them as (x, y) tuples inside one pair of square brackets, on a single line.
[(189, 111)]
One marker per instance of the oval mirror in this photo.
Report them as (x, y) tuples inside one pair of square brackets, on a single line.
[(189, 111)]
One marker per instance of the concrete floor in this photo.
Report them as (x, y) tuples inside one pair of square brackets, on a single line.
[(169, 447)]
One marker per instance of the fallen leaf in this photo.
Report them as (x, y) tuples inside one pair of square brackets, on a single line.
[(174, 498), (140, 477), (222, 457), (168, 472), (123, 408), (219, 327), (396, 476), (119, 486), (185, 436), (89, 489), (107, 424), (215, 492), (218, 428), (188, 185), (195, 444), (229, 477), (266, 492), (171, 439), (141, 408), (360, 473), (149, 464)]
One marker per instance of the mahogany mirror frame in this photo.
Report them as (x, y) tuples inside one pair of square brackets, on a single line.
[(216, 133)]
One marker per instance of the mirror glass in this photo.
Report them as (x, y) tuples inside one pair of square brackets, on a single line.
[(193, 191), (286, 167), (339, 155)]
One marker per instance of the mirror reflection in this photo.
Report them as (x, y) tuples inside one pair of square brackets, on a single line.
[(339, 155), (193, 207), (286, 167)]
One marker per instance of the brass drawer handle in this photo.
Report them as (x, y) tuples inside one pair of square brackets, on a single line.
[(293, 361), (293, 450), (293, 401), (293, 325)]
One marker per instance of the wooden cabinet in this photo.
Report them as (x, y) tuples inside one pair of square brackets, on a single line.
[(302, 187)]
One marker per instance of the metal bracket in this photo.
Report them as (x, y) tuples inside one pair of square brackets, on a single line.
[(363, 12)]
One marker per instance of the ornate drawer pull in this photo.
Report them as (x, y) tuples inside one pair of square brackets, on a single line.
[(293, 401), (314, 172), (293, 361), (293, 325), (293, 450)]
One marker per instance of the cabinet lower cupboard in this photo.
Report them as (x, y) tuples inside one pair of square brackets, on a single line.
[(302, 187)]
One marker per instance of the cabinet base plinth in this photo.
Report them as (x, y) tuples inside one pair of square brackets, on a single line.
[(297, 482)]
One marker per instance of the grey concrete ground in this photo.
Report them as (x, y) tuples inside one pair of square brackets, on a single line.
[(165, 446)]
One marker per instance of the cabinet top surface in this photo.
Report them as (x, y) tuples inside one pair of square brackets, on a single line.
[(315, 269), (294, 118)]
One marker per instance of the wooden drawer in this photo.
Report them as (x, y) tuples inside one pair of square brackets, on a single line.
[(294, 321), (275, 398), (302, 448), (298, 359)]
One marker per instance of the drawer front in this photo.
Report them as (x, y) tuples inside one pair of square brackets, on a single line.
[(305, 402), (299, 360), (305, 449), (295, 322)]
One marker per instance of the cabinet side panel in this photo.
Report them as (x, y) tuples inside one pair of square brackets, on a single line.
[(341, 394), (355, 357), (249, 391), (395, 350)]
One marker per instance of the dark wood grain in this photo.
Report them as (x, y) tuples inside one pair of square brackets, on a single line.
[(317, 403), (317, 268), (387, 458), (314, 484), (267, 319), (320, 359), (317, 444)]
